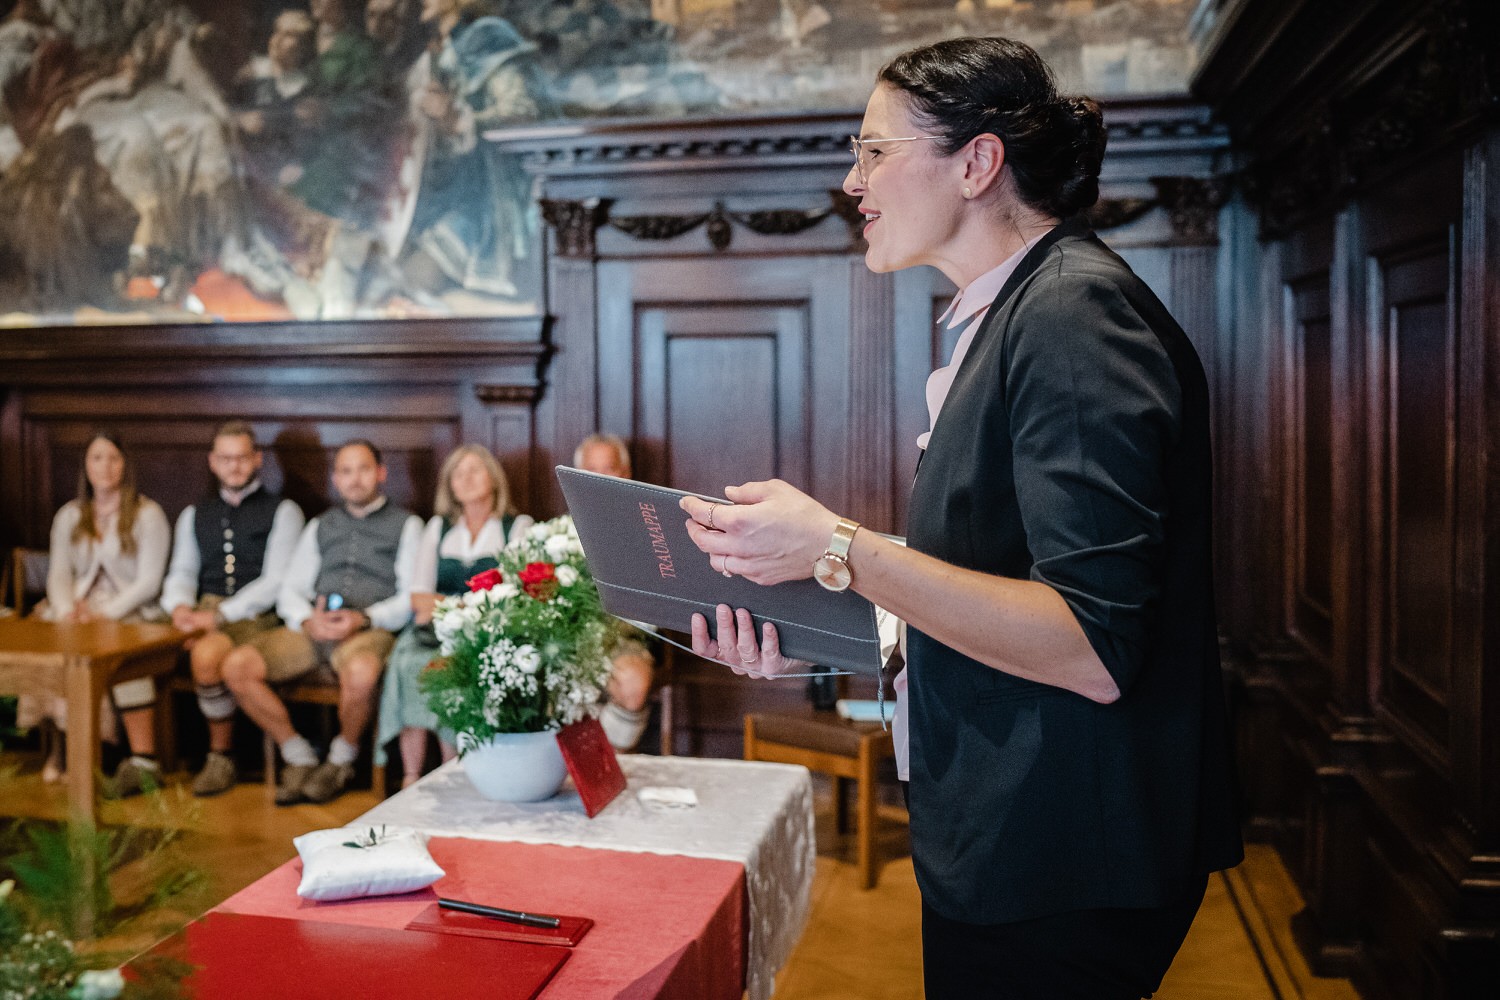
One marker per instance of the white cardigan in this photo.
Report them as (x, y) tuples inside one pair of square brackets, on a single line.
[(74, 566)]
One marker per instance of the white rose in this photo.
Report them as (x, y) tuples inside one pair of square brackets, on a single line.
[(99, 984), (558, 546), (528, 659), (566, 575), (505, 591)]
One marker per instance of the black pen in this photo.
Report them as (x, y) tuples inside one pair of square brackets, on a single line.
[(514, 916)]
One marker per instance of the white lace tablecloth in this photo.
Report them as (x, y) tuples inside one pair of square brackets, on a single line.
[(758, 814)]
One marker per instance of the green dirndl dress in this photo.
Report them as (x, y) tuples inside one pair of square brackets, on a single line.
[(402, 703)]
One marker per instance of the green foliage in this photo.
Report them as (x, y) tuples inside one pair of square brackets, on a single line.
[(51, 864), (526, 654)]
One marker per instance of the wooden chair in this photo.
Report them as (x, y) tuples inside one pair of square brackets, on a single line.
[(822, 741), (321, 687), (25, 579)]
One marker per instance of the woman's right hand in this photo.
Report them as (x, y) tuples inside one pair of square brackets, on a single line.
[(421, 607), (734, 645)]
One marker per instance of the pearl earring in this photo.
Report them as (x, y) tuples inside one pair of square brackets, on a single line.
[(968, 193)]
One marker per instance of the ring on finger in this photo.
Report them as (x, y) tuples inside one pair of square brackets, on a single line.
[(724, 567), (711, 517)]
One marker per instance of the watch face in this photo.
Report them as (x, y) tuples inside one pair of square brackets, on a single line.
[(832, 573)]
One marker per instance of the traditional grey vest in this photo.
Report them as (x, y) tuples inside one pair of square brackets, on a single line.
[(359, 554)]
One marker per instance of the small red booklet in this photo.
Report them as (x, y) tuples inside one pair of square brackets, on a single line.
[(568, 932), (591, 761)]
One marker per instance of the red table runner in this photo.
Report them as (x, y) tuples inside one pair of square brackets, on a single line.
[(665, 926)]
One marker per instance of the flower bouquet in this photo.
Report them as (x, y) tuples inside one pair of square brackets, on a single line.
[(524, 651)]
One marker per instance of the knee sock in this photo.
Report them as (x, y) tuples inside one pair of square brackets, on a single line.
[(622, 726), (215, 701), (341, 751), (298, 751)]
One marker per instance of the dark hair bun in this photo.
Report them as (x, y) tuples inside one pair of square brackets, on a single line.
[(964, 87), (1079, 190)]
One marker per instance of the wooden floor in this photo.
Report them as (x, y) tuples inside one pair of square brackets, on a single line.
[(858, 944)]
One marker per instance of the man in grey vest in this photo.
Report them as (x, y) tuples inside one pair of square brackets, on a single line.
[(228, 557), (346, 593)]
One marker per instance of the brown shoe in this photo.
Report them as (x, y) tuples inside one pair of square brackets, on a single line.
[(289, 790), (132, 777), (218, 775), (328, 782)]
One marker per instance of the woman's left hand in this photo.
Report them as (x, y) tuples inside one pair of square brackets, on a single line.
[(734, 645), (771, 533)]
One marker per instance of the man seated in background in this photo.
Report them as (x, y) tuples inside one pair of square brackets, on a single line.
[(229, 555), (625, 714), (345, 595)]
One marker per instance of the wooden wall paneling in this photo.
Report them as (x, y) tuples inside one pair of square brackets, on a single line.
[(1410, 292), (1241, 439), (503, 418), (1271, 460), (920, 345), (1309, 495), (722, 371), (1476, 663), (569, 410), (12, 471), (873, 438), (306, 388), (1379, 122)]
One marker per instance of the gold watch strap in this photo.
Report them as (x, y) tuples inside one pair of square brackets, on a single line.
[(843, 537)]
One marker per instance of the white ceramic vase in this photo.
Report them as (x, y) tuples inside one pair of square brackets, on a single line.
[(517, 767)]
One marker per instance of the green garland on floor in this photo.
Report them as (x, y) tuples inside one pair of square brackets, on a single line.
[(38, 956)]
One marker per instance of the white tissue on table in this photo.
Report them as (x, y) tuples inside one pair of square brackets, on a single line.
[(667, 795)]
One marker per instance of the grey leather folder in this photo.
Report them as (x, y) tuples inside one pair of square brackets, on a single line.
[(649, 570)]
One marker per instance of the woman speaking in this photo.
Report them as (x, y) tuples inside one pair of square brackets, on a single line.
[(1070, 780)]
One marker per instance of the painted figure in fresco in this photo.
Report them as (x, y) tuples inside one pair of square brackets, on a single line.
[(154, 115), (65, 231), (472, 222), (396, 28), (266, 96)]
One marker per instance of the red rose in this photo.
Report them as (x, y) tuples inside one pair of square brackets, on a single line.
[(539, 579), (484, 581)]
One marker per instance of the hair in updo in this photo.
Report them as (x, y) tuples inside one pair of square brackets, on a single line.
[(966, 87)]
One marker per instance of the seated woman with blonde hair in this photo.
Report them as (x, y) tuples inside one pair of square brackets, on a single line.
[(473, 520), (107, 559)]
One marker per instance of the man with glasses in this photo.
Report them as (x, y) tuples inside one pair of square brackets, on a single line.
[(228, 558)]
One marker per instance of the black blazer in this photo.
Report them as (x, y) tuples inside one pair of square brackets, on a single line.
[(1073, 449)]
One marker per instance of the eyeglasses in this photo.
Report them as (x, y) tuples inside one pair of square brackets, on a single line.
[(862, 156)]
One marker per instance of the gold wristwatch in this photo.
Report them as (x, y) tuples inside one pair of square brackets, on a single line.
[(831, 569)]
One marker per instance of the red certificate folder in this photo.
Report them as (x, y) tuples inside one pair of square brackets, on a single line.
[(240, 956), (591, 761)]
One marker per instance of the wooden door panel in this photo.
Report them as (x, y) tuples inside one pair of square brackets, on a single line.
[(1421, 378), (1311, 513)]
